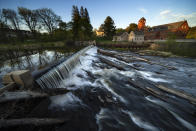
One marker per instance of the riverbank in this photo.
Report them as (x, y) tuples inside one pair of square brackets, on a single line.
[(169, 48), (32, 45), (185, 49), (165, 49)]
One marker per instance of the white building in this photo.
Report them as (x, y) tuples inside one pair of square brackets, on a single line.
[(121, 37), (133, 36), (136, 36)]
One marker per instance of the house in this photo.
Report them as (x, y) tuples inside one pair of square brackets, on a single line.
[(123, 36), (136, 36), (178, 29), (99, 33)]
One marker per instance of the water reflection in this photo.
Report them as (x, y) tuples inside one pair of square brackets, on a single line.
[(30, 59)]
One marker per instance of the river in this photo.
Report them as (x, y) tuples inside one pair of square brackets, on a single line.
[(102, 98)]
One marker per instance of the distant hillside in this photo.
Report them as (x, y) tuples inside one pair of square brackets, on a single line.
[(192, 33)]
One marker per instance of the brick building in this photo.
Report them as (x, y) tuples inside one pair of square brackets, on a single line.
[(178, 29)]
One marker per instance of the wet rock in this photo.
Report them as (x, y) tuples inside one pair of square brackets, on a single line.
[(136, 65)]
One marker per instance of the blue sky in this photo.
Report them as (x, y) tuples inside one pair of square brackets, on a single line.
[(123, 12)]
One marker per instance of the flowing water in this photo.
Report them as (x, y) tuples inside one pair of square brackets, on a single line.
[(102, 98), (33, 60)]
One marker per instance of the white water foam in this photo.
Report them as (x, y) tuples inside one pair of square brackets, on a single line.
[(139, 122), (64, 101), (54, 78), (148, 75), (105, 83), (86, 61), (104, 113), (164, 105)]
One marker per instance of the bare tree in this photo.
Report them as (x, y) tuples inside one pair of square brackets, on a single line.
[(48, 19), (2, 20), (11, 17), (30, 17), (1, 16)]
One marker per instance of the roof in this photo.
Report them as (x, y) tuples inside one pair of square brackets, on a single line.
[(138, 32), (120, 33), (171, 25)]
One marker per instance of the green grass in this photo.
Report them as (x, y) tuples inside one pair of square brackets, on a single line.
[(177, 48), (192, 33)]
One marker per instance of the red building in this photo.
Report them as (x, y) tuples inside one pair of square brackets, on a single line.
[(141, 24), (178, 29)]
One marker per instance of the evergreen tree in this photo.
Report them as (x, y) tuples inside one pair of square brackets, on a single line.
[(82, 24), (88, 26), (82, 12), (76, 23), (109, 28)]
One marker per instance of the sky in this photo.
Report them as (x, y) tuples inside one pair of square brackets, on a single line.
[(123, 12)]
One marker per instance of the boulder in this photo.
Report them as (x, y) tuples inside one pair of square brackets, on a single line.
[(22, 78)]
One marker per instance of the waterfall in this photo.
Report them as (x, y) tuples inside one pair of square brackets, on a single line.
[(54, 77)]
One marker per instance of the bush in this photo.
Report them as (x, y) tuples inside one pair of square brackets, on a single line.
[(70, 43)]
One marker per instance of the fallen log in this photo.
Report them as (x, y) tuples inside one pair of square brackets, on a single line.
[(8, 87), (178, 93), (30, 121), (20, 95), (106, 52), (183, 95), (148, 90), (115, 55), (56, 91), (111, 63)]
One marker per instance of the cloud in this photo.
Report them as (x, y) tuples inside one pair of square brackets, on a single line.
[(165, 12), (170, 16), (143, 10)]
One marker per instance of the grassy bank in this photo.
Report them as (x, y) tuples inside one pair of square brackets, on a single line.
[(32, 45), (181, 49)]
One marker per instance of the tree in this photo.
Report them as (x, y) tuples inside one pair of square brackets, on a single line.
[(119, 30), (75, 22), (69, 26), (88, 26), (101, 28), (131, 27), (48, 19), (82, 31), (108, 27), (81, 26), (30, 17), (2, 21), (62, 25), (192, 33), (12, 17), (3, 28)]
